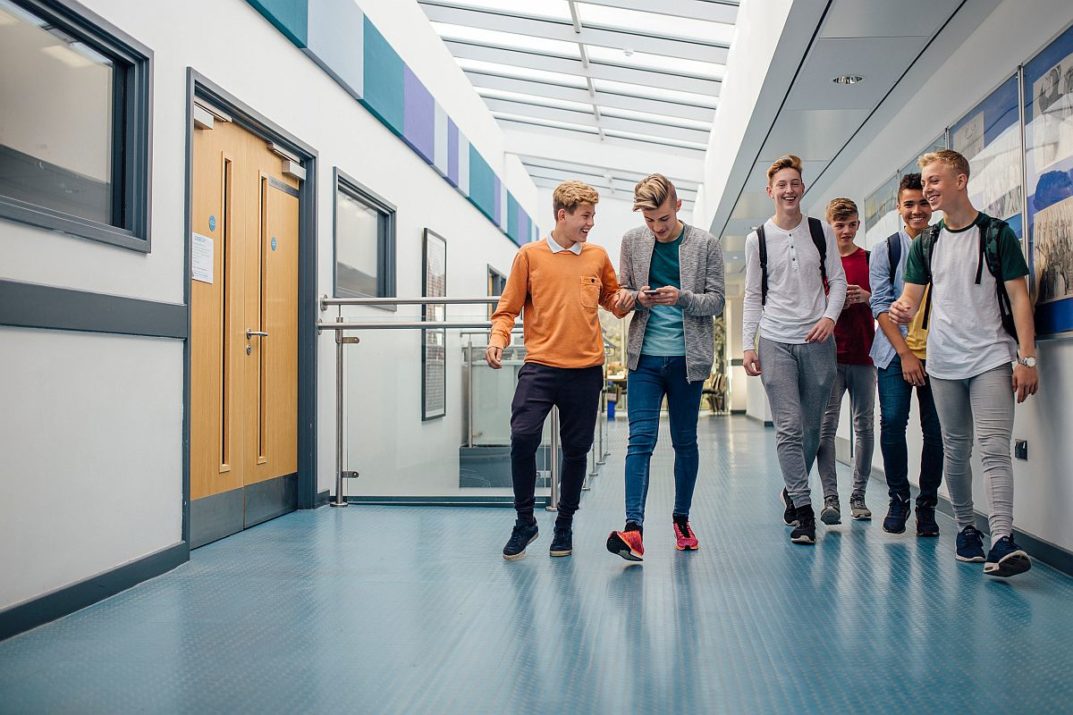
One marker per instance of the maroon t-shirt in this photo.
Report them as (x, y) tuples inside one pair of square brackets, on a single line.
[(855, 328)]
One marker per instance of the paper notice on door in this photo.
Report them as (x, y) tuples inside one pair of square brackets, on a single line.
[(201, 259)]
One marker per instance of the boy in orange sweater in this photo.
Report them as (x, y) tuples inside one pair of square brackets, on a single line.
[(560, 282)]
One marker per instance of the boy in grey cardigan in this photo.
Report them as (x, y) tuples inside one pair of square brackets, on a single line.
[(676, 274)]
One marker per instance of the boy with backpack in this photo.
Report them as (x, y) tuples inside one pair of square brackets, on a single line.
[(854, 374), (900, 353), (794, 291), (981, 349)]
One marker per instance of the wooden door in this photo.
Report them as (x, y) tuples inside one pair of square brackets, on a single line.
[(244, 325)]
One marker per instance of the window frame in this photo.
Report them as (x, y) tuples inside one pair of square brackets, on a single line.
[(132, 101), (386, 234)]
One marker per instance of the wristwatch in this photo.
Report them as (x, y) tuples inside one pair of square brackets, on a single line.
[(1029, 361)]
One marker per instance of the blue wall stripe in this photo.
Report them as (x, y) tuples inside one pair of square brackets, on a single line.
[(383, 79), (348, 47), (291, 17)]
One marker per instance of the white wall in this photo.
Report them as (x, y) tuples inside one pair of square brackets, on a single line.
[(1010, 36), (90, 462)]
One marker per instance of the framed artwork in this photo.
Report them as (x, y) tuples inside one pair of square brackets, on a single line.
[(989, 136), (881, 213), (434, 342), (1048, 107)]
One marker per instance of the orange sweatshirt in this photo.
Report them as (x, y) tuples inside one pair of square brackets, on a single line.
[(560, 293)]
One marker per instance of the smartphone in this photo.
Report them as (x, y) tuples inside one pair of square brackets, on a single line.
[(651, 292)]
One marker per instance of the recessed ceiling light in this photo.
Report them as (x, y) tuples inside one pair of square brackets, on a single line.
[(847, 79)]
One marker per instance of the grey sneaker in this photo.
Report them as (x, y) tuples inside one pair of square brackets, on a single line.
[(832, 512), (858, 509)]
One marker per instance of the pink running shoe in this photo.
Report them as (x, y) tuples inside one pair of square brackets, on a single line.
[(628, 543), (685, 539)]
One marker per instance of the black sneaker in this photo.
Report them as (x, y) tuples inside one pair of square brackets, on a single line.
[(926, 525), (897, 515), (1006, 559), (562, 543), (970, 545), (524, 534), (831, 513), (789, 514), (805, 531)]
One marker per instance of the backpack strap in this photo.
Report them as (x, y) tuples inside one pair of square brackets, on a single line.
[(894, 255), (927, 239), (761, 246), (815, 229), (991, 255)]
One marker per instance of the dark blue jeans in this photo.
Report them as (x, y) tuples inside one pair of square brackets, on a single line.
[(576, 392), (645, 388), (895, 395)]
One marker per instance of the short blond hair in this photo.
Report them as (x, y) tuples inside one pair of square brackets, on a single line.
[(951, 158), (841, 209), (652, 192), (570, 194), (786, 161)]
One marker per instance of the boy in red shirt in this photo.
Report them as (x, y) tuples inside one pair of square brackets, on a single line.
[(854, 332)]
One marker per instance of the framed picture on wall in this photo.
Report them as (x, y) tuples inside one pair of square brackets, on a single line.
[(434, 342), (989, 136), (1048, 97), (881, 213)]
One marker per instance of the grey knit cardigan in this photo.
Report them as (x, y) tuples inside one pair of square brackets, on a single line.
[(700, 258)]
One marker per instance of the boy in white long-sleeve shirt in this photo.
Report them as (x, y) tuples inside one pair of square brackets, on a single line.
[(787, 300)]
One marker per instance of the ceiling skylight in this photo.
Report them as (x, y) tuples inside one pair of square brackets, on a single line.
[(535, 75), (658, 63), (652, 23), (656, 118), (549, 9), (535, 99), (510, 40), (648, 92)]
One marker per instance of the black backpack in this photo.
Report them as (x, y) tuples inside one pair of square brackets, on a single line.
[(894, 254), (815, 229), (990, 253)]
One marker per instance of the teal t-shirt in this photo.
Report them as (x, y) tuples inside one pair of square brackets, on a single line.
[(665, 334)]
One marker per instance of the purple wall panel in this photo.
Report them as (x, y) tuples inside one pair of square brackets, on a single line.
[(419, 116)]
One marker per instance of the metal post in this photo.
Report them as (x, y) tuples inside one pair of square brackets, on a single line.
[(553, 457), (601, 422), (339, 500), (469, 402)]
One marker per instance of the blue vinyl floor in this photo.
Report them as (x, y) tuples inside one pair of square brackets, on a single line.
[(413, 610)]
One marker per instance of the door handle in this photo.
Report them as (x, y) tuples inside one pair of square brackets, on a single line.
[(255, 333)]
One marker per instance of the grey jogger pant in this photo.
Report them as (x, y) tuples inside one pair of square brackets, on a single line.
[(983, 405), (798, 380), (860, 382)]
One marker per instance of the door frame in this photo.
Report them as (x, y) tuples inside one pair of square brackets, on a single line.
[(197, 85)]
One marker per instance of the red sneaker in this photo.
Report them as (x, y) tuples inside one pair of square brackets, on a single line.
[(627, 544), (685, 539)]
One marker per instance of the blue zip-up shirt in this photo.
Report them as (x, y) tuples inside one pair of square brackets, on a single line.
[(883, 294)]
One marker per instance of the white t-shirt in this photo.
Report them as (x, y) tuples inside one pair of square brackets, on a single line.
[(965, 333)]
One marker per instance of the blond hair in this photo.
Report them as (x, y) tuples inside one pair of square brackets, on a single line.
[(570, 194), (951, 158), (786, 161), (652, 192), (841, 209)]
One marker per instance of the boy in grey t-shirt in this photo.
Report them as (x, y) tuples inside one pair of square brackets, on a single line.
[(970, 352)]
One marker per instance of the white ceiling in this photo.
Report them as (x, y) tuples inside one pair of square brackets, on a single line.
[(817, 118), (611, 74)]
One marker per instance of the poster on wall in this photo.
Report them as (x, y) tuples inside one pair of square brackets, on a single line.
[(989, 136), (434, 342), (881, 213), (1048, 93)]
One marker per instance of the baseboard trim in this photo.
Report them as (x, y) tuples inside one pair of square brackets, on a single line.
[(766, 423), (504, 501), (67, 600), (1051, 554), (322, 499)]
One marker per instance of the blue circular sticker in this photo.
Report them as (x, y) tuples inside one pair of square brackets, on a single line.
[(212, 223), (273, 243)]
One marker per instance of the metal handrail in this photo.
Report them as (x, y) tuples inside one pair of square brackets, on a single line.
[(338, 327)]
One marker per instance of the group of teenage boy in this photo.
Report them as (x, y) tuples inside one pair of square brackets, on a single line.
[(955, 323)]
